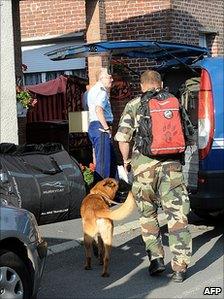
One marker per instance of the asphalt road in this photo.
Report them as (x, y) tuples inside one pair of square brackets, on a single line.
[(64, 276)]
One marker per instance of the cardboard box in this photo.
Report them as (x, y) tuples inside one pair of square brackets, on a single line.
[(78, 121)]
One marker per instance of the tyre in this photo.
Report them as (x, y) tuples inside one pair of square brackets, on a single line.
[(14, 277)]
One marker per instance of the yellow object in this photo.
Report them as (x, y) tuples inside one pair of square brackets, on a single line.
[(78, 121)]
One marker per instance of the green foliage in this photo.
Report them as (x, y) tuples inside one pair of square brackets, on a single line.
[(88, 176), (24, 98)]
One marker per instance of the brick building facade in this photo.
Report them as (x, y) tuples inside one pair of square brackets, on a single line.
[(51, 18), (182, 21), (185, 21), (174, 20)]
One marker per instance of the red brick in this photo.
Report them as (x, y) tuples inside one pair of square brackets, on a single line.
[(176, 20)]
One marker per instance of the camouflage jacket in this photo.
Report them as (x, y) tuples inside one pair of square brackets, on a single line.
[(126, 131)]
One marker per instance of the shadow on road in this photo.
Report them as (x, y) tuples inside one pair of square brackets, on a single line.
[(65, 275)]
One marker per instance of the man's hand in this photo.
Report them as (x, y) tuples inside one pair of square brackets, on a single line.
[(108, 131), (127, 165)]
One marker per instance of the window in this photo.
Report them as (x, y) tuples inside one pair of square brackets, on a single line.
[(206, 39), (202, 40)]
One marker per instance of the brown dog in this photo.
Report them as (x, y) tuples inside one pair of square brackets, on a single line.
[(97, 219)]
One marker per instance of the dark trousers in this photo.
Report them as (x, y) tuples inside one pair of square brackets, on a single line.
[(104, 152)]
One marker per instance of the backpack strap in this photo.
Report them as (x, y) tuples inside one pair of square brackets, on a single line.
[(149, 94), (189, 130)]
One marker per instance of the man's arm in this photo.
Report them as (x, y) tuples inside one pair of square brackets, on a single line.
[(101, 117), (124, 149)]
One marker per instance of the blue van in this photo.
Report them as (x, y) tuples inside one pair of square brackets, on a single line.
[(178, 63), (208, 199)]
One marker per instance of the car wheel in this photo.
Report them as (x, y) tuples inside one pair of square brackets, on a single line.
[(14, 277)]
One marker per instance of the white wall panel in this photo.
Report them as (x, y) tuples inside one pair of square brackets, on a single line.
[(36, 61), (8, 113)]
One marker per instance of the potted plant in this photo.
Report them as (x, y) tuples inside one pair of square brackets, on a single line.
[(88, 173), (24, 101)]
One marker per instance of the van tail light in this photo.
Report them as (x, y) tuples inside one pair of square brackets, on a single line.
[(205, 116)]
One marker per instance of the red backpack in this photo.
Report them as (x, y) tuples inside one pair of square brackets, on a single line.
[(160, 130)]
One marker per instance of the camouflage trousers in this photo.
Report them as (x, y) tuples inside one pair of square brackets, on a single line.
[(162, 184)]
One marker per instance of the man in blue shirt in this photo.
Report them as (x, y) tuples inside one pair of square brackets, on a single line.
[(101, 119)]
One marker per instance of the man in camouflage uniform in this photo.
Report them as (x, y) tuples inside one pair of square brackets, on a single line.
[(157, 182)]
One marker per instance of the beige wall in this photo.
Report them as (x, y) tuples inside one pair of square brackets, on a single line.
[(8, 114)]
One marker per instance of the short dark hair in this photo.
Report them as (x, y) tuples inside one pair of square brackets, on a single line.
[(151, 77)]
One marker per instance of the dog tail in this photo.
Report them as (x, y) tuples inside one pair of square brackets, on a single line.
[(120, 213)]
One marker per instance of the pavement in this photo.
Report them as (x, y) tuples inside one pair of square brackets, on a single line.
[(65, 277), (62, 236), (65, 235)]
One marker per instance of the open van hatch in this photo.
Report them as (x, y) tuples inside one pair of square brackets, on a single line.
[(154, 50), (179, 64), (172, 60)]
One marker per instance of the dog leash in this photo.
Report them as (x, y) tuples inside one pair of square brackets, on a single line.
[(109, 201), (114, 202)]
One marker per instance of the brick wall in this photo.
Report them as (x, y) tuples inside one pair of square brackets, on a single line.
[(192, 16), (176, 20), (172, 20), (167, 20), (136, 19), (95, 31), (140, 19), (47, 17)]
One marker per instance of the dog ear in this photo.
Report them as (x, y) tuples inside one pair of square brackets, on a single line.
[(101, 186), (106, 182), (110, 182)]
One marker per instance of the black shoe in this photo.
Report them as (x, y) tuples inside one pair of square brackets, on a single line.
[(156, 266), (179, 276)]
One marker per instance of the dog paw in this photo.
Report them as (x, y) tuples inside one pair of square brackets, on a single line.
[(88, 268), (105, 274)]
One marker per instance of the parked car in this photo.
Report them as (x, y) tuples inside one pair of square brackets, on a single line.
[(22, 253), (177, 63), (43, 179)]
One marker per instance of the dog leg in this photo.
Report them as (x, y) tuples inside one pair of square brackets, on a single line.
[(95, 248), (105, 272), (88, 248), (101, 250), (106, 235)]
